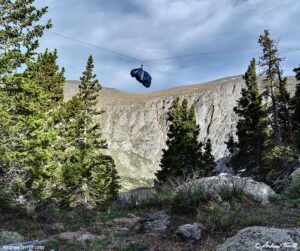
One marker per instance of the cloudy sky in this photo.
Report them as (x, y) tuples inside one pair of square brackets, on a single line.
[(152, 29)]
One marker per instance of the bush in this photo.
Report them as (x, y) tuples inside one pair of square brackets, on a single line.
[(278, 163), (293, 190), (156, 200), (229, 193), (189, 201)]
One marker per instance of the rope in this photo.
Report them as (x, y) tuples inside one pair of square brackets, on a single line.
[(95, 46), (162, 58)]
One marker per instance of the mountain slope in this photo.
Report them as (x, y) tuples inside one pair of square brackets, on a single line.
[(135, 125)]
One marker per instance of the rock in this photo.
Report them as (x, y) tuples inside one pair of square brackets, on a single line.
[(7, 237), (79, 235), (190, 231), (156, 221), (135, 196), (88, 236), (135, 125), (225, 206), (295, 173), (259, 191), (259, 238)]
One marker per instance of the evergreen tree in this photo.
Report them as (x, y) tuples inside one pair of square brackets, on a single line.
[(208, 159), (89, 176), (296, 109), (46, 72), (251, 126), (279, 158), (276, 89), (19, 32), (24, 133), (184, 154)]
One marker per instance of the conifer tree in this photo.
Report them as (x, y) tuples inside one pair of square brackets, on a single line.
[(208, 159), (276, 89), (24, 135), (279, 158), (296, 109), (19, 32), (251, 126), (89, 175), (184, 154)]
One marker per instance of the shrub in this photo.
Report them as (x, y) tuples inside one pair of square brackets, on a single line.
[(293, 190), (189, 201), (229, 193), (156, 200)]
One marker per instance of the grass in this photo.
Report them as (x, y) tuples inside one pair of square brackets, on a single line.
[(65, 245), (198, 206), (133, 246)]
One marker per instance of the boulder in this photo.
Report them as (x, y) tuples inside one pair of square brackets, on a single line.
[(79, 235), (155, 221), (262, 238), (8, 237), (259, 191), (190, 231), (295, 173)]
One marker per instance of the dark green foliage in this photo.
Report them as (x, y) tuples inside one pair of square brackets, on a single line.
[(89, 176), (184, 154), (246, 153), (19, 32), (278, 163), (295, 103), (208, 159), (293, 190), (269, 62)]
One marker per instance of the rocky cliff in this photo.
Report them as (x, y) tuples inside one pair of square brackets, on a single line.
[(135, 125)]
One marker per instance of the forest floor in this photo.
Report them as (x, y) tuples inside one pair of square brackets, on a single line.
[(116, 230)]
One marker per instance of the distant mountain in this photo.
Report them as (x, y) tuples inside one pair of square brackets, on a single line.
[(135, 125)]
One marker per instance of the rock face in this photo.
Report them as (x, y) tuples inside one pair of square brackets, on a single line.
[(190, 231), (259, 191), (262, 238), (135, 125)]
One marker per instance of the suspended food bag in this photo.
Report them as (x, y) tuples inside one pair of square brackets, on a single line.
[(141, 76)]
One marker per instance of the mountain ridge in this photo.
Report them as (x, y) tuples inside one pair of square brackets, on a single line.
[(135, 125)]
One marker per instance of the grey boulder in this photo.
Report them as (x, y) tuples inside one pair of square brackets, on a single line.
[(263, 238), (190, 231), (155, 221)]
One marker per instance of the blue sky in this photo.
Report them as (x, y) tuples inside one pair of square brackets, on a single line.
[(166, 28)]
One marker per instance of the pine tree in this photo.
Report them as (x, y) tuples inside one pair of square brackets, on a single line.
[(276, 88), (251, 126), (24, 135), (89, 175), (269, 62), (296, 109), (279, 158), (46, 72), (184, 154), (19, 32), (208, 159)]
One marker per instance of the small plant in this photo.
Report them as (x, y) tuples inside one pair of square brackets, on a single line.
[(293, 190), (252, 219), (156, 200), (230, 192), (214, 218), (134, 246)]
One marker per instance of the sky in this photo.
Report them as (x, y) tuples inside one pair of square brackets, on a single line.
[(152, 29)]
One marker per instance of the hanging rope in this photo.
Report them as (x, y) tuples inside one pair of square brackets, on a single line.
[(162, 58)]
